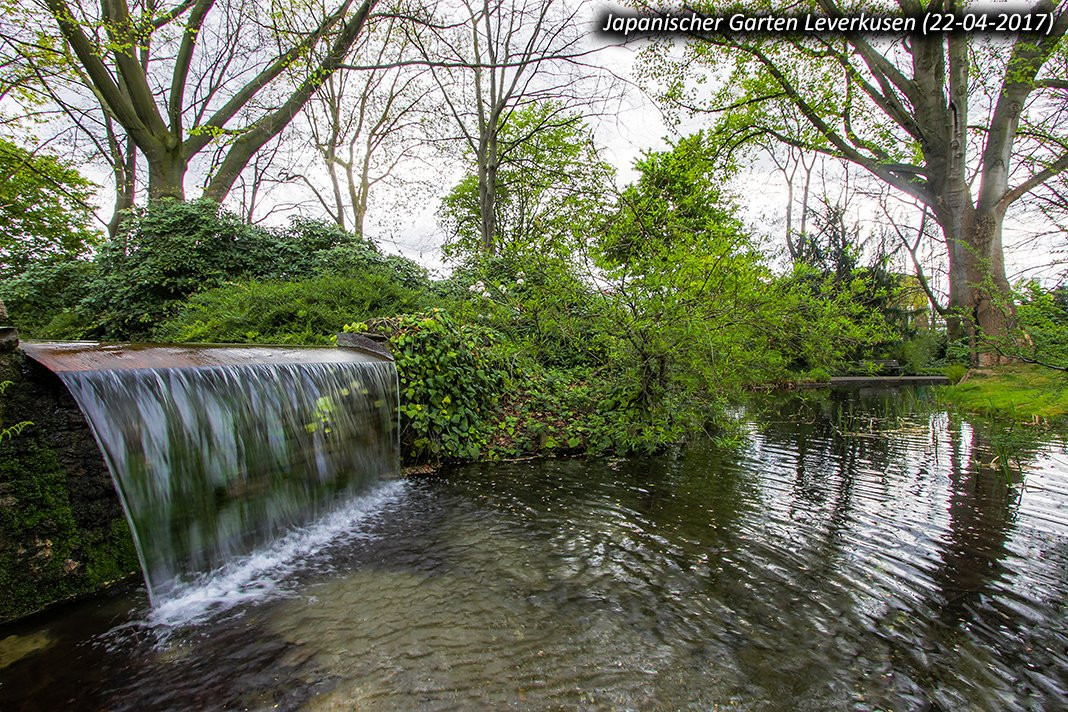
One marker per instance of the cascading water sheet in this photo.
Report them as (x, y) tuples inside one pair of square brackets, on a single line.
[(214, 462)]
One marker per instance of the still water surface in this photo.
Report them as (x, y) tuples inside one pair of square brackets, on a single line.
[(858, 552)]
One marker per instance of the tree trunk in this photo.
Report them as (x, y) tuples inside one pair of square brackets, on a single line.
[(359, 206), (360, 191), (803, 240), (487, 199), (995, 312), (790, 217), (956, 217), (166, 176), (487, 191), (335, 184), (125, 188), (981, 309), (123, 159)]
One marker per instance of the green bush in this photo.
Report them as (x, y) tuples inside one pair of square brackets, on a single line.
[(920, 352), (955, 372), (356, 259), (1043, 319), (817, 375), (307, 248), (165, 254), (41, 299), (173, 250), (308, 311), (535, 301), (450, 380)]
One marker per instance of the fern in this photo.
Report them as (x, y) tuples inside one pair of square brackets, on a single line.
[(14, 430), (17, 428)]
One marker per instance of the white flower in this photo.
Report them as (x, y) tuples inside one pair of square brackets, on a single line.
[(520, 281)]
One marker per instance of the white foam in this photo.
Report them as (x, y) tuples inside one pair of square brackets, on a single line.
[(263, 573)]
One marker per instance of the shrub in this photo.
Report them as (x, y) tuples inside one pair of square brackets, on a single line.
[(450, 378), (955, 372), (308, 311), (817, 375), (306, 247), (920, 352), (538, 302), (166, 254), (173, 250), (1043, 317), (41, 299)]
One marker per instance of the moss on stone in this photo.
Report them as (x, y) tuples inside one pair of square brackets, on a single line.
[(112, 556), (53, 548), (44, 556)]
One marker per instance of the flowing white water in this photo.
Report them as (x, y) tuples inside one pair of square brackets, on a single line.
[(264, 573), (215, 463)]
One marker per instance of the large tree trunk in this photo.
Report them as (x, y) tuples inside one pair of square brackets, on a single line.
[(981, 310), (994, 310), (956, 217), (166, 176)]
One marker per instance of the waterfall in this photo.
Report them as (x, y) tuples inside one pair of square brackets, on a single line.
[(212, 462)]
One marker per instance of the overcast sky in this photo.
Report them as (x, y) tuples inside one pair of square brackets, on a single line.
[(635, 125)]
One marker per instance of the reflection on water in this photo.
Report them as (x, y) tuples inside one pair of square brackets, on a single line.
[(861, 552)]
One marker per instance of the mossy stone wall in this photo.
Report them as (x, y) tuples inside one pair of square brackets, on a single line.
[(62, 530)]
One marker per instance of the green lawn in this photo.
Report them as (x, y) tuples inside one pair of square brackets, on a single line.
[(1018, 392)]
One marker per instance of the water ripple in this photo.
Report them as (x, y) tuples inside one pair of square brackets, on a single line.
[(857, 554)]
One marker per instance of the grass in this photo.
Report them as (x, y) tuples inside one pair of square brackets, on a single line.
[(1020, 392)]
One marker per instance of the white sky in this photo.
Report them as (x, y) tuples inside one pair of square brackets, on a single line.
[(413, 229), (760, 191)]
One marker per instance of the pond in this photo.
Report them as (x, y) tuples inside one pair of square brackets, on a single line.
[(857, 551)]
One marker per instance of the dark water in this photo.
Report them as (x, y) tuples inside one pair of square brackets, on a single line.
[(858, 553)]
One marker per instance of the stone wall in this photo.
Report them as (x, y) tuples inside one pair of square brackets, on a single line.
[(62, 530)]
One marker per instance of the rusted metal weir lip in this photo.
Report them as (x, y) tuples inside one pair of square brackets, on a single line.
[(64, 356)]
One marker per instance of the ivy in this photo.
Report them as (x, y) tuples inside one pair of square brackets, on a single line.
[(450, 378)]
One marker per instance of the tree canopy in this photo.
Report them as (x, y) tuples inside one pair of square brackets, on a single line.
[(197, 75), (46, 210), (966, 124), (549, 179)]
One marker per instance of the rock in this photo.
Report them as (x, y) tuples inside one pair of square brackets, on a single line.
[(15, 647), (64, 510), (9, 339), (361, 342)]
